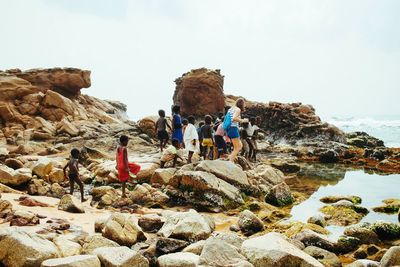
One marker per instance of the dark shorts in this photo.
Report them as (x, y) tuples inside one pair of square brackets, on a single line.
[(220, 143), (72, 176), (233, 132), (162, 135)]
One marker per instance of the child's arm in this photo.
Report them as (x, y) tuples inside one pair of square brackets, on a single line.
[(126, 159), (156, 126), (166, 122), (65, 170)]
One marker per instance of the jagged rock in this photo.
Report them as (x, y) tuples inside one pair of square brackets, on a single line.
[(96, 241), (120, 257), (151, 223), (123, 230), (73, 261), (66, 247), (70, 204), (364, 263), (147, 170), (12, 87), (286, 167), (249, 223), (13, 177), (18, 248), (200, 92), (279, 195), (329, 156), (217, 252), (273, 250), (55, 106), (64, 126), (391, 257), (38, 187), (14, 163), (325, 257), (363, 140), (170, 245), (311, 238), (190, 226), (179, 259), (164, 177), (225, 170)]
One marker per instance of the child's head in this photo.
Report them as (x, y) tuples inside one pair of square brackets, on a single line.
[(201, 124), (241, 104), (124, 140), (161, 113), (208, 119), (175, 142), (75, 153), (252, 120), (176, 109), (191, 120), (185, 122), (258, 120)]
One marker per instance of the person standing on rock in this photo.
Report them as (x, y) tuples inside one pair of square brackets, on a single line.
[(177, 132), (124, 167), (161, 129), (231, 126), (73, 173), (191, 139)]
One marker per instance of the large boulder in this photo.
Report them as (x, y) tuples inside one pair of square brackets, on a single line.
[(70, 203), (104, 196), (363, 233), (311, 238), (190, 226), (391, 257), (73, 261), (145, 194), (12, 87), (13, 177), (273, 249), (163, 176), (150, 223), (200, 92), (122, 229), (95, 241), (120, 257), (279, 195), (170, 245), (249, 223), (225, 170), (18, 248), (67, 247), (179, 259)]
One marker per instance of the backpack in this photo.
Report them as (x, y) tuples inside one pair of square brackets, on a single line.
[(227, 120)]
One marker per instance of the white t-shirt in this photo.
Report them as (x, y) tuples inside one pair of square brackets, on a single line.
[(251, 129)]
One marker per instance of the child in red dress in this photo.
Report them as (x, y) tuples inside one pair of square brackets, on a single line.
[(123, 166)]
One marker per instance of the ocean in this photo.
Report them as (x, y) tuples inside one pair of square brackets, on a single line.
[(385, 128)]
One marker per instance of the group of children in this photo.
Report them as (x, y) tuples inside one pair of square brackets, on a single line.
[(209, 139)]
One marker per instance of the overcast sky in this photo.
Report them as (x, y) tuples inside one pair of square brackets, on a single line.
[(341, 56)]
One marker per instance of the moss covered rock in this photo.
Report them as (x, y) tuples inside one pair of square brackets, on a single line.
[(334, 199), (390, 206), (342, 215), (279, 195), (386, 230)]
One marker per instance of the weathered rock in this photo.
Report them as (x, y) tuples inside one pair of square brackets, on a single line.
[(18, 248), (65, 126), (5, 208), (286, 167), (179, 259), (145, 194), (30, 202), (364, 234), (123, 230), (225, 170), (23, 218), (38, 187), (391, 257), (317, 219), (386, 230), (200, 92), (336, 198), (12, 87), (311, 238), (363, 140), (73, 261), (57, 190), (104, 195), (230, 238), (364, 263), (390, 206), (195, 248), (164, 177), (249, 223), (343, 213), (190, 226), (96, 241), (325, 257), (70, 204), (329, 156), (66, 247), (13, 177), (279, 195), (14, 163), (346, 244), (151, 223), (170, 245), (217, 252), (120, 257), (273, 250)]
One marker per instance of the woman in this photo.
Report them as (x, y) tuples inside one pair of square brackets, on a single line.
[(233, 130), (177, 132)]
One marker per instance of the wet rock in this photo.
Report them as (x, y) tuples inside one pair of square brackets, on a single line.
[(343, 214), (364, 263), (325, 257), (364, 234), (249, 223), (336, 198), (170, 245), (66, 247), (200, 92), (18, 248), (363, 140), (279, 195), (317, 219), (391, 257), (123, 230), (9, 176), (386, 230), (151, 223), (73, 261), (329, 156), (390, 206), (96, 241), (365, 251), (70, 204), (164, 177), (120, 257), (14, 163), (195, 248), (225, 170), (311, 238), (190, 226), (286, 167), (179, 259), (273, 250), (346, 244), (217, 252)]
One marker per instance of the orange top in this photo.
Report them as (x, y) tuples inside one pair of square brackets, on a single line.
[(120, 158)]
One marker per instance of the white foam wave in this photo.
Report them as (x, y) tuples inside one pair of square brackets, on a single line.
[(364, 122)]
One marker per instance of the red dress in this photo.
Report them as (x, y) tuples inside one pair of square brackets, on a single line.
[(122, 173)]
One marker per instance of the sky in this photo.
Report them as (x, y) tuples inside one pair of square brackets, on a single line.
[(342, 56)]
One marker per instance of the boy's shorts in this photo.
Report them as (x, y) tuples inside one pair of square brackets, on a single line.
[(220, 143), (233, 132), (207, 142), (162, 135)]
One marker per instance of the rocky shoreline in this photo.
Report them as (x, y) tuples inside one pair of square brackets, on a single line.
[(208, 213)]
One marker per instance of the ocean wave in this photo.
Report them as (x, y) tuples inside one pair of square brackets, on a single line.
[(362, 122)]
